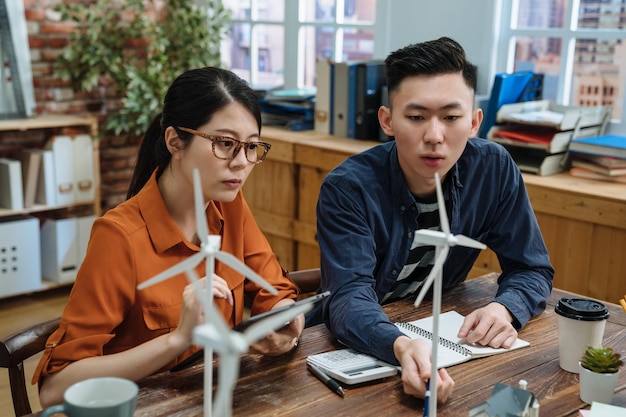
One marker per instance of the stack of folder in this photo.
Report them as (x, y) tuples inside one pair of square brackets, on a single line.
[(348, 97), (291, 108), (537, 133), (60, 174)]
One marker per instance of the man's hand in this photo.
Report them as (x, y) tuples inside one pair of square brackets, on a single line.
[(414, 357), (489, 326)]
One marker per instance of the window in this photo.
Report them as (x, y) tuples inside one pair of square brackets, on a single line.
[(578, 44), (261, 49)]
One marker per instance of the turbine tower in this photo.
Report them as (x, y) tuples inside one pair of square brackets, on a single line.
[(442, 240)]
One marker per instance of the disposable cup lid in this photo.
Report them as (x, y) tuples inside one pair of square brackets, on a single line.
[(581, 309)]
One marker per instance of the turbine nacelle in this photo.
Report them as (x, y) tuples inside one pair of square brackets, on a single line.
[(437, 238)]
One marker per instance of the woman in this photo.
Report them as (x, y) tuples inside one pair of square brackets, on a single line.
[(210, 121)]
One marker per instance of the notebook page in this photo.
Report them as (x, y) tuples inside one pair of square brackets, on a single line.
[(449, 325), (448, 353)]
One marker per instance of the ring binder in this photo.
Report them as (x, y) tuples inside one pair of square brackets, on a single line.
[(448, 344)]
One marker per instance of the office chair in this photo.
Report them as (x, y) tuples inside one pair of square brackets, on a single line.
[(14, 350), (308, 280)]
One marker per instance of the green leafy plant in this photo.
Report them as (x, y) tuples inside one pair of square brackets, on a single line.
[(601, 359), (138, 47)]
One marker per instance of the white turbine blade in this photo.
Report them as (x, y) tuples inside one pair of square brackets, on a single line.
[(202, 230), (265, 326), (244, 269), (437, 269), (431, 237), (469, 242), (179, 268), (443, 214)]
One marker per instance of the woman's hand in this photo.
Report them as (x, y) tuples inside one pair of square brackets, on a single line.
[(221, 290), (191, 313), (283, 339)]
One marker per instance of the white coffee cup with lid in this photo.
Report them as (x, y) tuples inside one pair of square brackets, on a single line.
[(581, 323)]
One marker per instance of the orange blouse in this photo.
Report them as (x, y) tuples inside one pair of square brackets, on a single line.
[(135, 241)]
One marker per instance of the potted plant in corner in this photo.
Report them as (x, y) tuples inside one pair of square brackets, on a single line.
[(599, 370), (133, 49)]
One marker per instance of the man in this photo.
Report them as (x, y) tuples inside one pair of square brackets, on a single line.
[(370, 206)]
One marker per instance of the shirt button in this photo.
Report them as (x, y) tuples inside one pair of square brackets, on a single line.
[(402, 207), (394, 272)]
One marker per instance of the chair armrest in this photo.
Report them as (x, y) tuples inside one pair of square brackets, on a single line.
[(22, 345), (308, 280)]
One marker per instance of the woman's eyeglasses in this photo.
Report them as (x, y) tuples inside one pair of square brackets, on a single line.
[(225, 147)]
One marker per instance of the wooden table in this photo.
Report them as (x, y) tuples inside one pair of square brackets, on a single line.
[(282, 386)]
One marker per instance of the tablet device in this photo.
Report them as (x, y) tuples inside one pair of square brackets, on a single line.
[(195, 357), (255, 319)]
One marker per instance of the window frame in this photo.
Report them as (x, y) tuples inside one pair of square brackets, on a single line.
[(569, 33), (294, 68)]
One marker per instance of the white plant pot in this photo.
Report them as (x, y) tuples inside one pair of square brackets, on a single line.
[(597, 387)]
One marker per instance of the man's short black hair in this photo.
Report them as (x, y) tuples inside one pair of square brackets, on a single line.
[(439, 56)]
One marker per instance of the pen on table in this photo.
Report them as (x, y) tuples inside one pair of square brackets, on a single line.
[(427, 398), (328, 381), (622, 301)]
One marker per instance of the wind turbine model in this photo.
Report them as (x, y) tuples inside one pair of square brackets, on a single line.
[(215, 334), (442, 240), (230, 344)]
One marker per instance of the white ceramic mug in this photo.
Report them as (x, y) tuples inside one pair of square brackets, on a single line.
[(98, 397)]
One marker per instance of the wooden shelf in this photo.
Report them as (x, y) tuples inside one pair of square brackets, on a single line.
[(52, 124), (50, 121), (38, 208)]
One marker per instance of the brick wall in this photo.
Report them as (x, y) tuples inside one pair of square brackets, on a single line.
[(47, 36)]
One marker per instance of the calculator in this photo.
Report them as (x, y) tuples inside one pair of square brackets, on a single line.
[(351, 367)]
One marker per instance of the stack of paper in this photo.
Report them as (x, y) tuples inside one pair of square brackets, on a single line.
[(603, 410)]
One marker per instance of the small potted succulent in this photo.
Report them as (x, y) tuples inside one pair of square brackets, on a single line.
[(599, 370)]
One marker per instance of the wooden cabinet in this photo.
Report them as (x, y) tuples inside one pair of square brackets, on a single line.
[(271, 194), (583, 221), (34, 132)]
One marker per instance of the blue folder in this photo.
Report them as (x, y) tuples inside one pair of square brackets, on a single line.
[(508, 89)]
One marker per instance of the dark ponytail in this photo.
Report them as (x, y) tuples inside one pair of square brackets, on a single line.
[(152, 154)]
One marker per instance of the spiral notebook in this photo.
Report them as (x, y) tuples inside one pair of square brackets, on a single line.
[(452, 350)]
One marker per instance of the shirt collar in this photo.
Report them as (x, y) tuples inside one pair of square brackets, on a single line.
[(164, 232)]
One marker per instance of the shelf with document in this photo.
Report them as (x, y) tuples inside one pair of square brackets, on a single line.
[(537, 133), (49, 197)]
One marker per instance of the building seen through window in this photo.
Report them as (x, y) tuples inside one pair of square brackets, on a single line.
[(552, 37), (259, 49)]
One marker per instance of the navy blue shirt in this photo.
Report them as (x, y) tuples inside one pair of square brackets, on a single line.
[(366, 218)]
